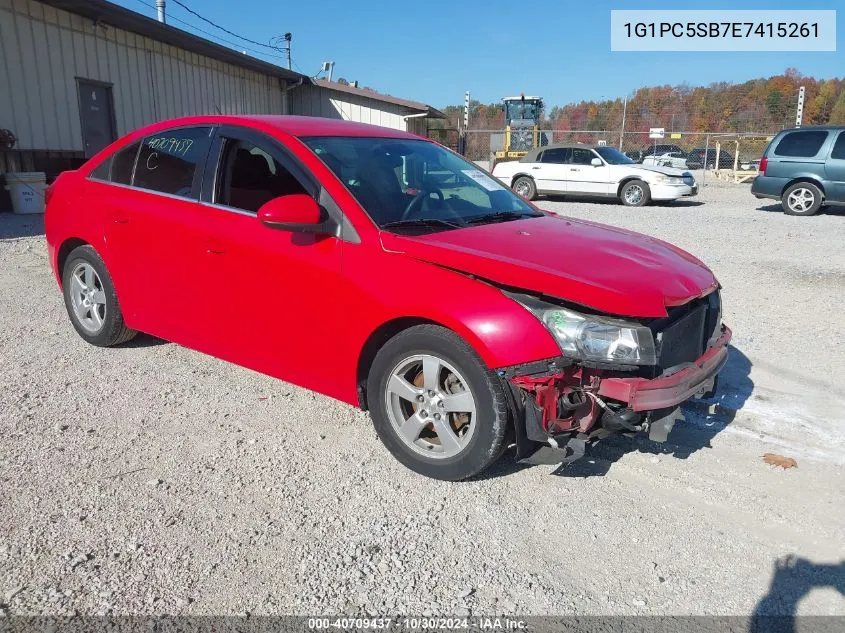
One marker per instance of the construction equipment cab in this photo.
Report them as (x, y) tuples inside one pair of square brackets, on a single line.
[(522, 131)]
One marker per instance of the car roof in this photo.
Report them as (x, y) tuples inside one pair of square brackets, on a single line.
[(300, 126)]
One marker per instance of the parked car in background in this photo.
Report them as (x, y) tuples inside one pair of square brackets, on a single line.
[(659, 149), (635, 155), (695, 159), (574, 169), (804, 169), (381, 269), (677, 160)]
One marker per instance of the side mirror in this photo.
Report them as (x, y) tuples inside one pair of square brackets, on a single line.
[(294, 212), (596, 162)]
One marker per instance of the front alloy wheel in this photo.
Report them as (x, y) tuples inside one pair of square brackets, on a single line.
[(430, 406), (635, 193), (435, 405)]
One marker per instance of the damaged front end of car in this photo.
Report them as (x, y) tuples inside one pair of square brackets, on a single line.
[(614, 376)]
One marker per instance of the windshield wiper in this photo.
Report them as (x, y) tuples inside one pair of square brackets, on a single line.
[(501, 216), (420, 222)]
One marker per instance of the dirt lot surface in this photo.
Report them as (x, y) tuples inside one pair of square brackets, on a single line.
[(151, 479)]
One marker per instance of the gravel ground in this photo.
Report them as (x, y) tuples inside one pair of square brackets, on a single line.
[(151, 479)]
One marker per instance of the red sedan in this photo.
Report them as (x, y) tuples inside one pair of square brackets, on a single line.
[(381, 269)]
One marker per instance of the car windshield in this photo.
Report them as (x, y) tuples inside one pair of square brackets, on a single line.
[(416, 185), (613, 156)]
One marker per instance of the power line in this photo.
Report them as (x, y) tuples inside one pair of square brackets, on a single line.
[(240, 37), (237, 45)]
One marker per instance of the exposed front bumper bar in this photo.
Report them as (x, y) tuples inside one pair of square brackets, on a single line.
[(643, 394)]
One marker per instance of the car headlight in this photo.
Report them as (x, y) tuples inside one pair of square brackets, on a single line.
[(671, 180), (593, 338)]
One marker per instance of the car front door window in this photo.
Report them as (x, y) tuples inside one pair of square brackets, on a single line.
[(250, 176)]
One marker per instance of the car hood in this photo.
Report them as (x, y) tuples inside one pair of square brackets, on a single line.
[(607, 269)]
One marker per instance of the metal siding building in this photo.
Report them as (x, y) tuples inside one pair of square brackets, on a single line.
[(338, 101), (73, 70)]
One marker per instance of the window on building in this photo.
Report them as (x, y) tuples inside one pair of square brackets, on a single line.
[(803, 144), (168, 161), (839, 147), (123, 163), (556, 155), (250, 176)]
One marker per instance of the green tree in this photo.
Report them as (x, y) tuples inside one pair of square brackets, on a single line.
[(837, 115), (774, 101)]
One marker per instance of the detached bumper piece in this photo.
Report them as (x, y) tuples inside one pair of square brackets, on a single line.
[(562, 411)]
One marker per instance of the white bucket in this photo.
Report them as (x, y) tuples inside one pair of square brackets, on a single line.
[(27, 191)]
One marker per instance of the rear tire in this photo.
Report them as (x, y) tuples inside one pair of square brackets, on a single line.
[(525, 187), (802, 198), (428, 380), (635, 193), (91, 301)]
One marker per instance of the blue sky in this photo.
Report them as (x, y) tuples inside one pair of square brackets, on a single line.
[(434, 50)]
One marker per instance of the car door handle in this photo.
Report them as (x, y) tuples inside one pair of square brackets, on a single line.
[(535, 167), (574, 169), (121, 220)]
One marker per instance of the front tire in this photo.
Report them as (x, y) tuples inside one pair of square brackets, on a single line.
[(91, 300), (635, 193), (435, 405), (802, 198), (525, 187)]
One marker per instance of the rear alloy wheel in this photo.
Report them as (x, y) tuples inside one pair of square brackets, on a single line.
[(802, 198), (525, 187), (91, 301), (635, 194), (434, 404)]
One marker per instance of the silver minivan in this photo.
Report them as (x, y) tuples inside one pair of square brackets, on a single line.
[(804, 168)]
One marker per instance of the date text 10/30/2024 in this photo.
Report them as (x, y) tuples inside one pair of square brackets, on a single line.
[(418, 624)]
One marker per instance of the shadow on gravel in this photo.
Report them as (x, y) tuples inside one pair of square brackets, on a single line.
[(13, 226), (792, 579), (144, 340), (828, 210), (615, 202), (704, 420)]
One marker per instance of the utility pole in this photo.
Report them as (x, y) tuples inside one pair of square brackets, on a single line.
[(799, 114), (622, 131), (462, 129), (466, 110), (287, 38)]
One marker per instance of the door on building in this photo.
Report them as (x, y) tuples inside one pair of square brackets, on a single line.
[(96, 113)]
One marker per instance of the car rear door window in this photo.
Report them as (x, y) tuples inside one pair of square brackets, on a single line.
[(170, 161), (250, 176), (556, 155), (839, 147), (803, 144)]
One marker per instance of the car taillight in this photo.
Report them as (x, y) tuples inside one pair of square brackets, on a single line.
[(764, 162)]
